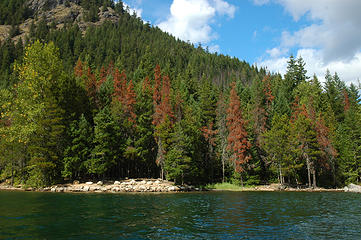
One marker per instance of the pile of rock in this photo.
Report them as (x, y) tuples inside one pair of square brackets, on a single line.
[(352, 188), (132, 185)]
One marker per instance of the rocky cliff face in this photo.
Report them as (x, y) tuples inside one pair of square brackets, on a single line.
[(40, 5), (58, 12)]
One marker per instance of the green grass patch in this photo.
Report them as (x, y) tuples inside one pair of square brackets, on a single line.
[(226, 186)]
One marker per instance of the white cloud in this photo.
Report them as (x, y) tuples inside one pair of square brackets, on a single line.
[(335, 30), (224, 8), (191, 19), (331, 41), (276, 52), (260, 2), (137, 11), (348, 71)]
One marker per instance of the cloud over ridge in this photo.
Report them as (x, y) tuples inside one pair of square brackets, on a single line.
[(190, 20), (332, 40)]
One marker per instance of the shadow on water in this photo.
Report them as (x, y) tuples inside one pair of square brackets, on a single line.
[(211, 215)]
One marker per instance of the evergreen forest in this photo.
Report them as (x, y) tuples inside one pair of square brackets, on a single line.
[(126, 100)]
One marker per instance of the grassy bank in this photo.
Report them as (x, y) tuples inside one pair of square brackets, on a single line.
[(227, 186)]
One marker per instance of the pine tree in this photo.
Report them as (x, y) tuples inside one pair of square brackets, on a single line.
[(238, 143), (304, 139), (105, 144), (45, 147), (162, 117), (80, 149), (277, 145), (178, 159), (222, 133)]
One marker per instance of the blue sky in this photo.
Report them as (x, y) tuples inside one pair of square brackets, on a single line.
[(266, 32)]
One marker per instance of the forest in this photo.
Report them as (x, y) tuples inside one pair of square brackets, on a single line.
[(126, 100)]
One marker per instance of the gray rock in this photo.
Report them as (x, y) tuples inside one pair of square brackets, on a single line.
[(116, 182), (86, 188), (100, 183), (353, 188), (89, 183), (53, 189), (172, 188), (37, 5)]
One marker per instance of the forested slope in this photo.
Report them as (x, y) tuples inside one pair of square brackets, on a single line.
[(108, 96)]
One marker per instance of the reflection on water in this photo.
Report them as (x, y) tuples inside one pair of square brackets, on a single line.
[(213, 215)]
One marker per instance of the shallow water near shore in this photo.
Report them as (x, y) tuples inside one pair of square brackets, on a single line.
[(203, 215)]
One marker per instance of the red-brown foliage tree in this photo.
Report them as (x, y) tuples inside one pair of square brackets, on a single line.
[(78, 69), (129, 103), (91, 84), (238, 143), (346, 101), (120, 86)]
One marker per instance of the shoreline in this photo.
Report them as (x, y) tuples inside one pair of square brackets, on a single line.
[(124, 186), (158, 186)]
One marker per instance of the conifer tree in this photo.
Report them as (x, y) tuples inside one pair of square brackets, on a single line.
[(80, 149), (238, 143), (277, 146)]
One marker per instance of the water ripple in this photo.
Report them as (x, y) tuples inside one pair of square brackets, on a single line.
[(214, 215)]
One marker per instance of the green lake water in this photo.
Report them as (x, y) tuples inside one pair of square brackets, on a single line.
[(208, 215)]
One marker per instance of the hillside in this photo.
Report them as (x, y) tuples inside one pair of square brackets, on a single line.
[(102, 31), (89, 91)]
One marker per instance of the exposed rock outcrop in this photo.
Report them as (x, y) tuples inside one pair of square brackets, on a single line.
[(352, 188), (131, 185), (58, 12), (44, 5)]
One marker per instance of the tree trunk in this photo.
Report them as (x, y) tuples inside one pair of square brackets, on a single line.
[(308, 171), (223, 162), (280, 174), (314, 176), (12, 175), (12, 168)]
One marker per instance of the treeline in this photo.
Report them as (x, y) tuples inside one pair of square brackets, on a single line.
[(13, 12), (126, 100)]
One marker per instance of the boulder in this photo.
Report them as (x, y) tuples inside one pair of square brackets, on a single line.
[(89, 183), (116, 182), (86, 188), (353, 188), (100, 183), (76, 182)]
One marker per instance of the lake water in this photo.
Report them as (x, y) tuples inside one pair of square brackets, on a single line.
[(208, 215)]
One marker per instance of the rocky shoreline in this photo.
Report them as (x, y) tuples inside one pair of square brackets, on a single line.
[(163, 186), (129, 185)]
